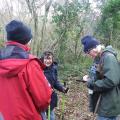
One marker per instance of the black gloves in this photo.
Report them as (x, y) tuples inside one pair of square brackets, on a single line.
[(65, 90)]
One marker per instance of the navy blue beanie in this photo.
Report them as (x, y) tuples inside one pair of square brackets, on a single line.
[(89, 43), (18, 32)]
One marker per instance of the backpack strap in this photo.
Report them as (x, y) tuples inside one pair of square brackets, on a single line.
[(100, 74)]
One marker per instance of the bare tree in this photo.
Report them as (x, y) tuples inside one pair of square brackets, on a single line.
[(33, 7), (47, 7)]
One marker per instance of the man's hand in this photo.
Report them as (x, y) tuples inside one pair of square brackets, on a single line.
[(86, 78)]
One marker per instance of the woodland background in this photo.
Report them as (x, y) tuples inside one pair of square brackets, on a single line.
[(58, 26)]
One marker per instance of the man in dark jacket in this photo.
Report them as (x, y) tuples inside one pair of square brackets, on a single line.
[(24, 90), (107, 83)]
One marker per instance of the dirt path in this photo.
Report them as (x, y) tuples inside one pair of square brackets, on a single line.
[(76, 103)]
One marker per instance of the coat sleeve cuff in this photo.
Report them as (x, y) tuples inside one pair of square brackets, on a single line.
[(90, 84)]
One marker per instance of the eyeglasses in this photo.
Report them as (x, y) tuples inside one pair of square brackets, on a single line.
[(88, 51)]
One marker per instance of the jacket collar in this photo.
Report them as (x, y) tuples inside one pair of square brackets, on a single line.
[(24, 47)]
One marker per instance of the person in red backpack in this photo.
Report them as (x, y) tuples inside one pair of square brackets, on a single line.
[(24, 90)]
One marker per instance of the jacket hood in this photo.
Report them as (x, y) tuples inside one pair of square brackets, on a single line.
[(110, 49), (11, 67)]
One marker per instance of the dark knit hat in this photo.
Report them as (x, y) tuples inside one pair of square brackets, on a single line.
[(89, 43), (18, 32)]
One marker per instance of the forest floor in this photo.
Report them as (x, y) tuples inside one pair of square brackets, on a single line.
[(75, 102)]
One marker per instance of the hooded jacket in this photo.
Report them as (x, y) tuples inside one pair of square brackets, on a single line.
[(109, 85), (24, 90)]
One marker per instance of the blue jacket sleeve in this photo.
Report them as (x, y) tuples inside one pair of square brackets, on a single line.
[(57, 84)]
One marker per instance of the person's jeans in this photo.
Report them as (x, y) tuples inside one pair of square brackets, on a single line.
[(52, 115), (44, 115), (1, 116), (106, 118)]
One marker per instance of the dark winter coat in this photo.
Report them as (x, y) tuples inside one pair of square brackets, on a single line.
[(52, 76)]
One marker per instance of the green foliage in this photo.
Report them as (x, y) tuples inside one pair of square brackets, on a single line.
[(1, 38), (68, 11), (74, 69), (109, 25), (70, 20), (1, 43), (69, 26)]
